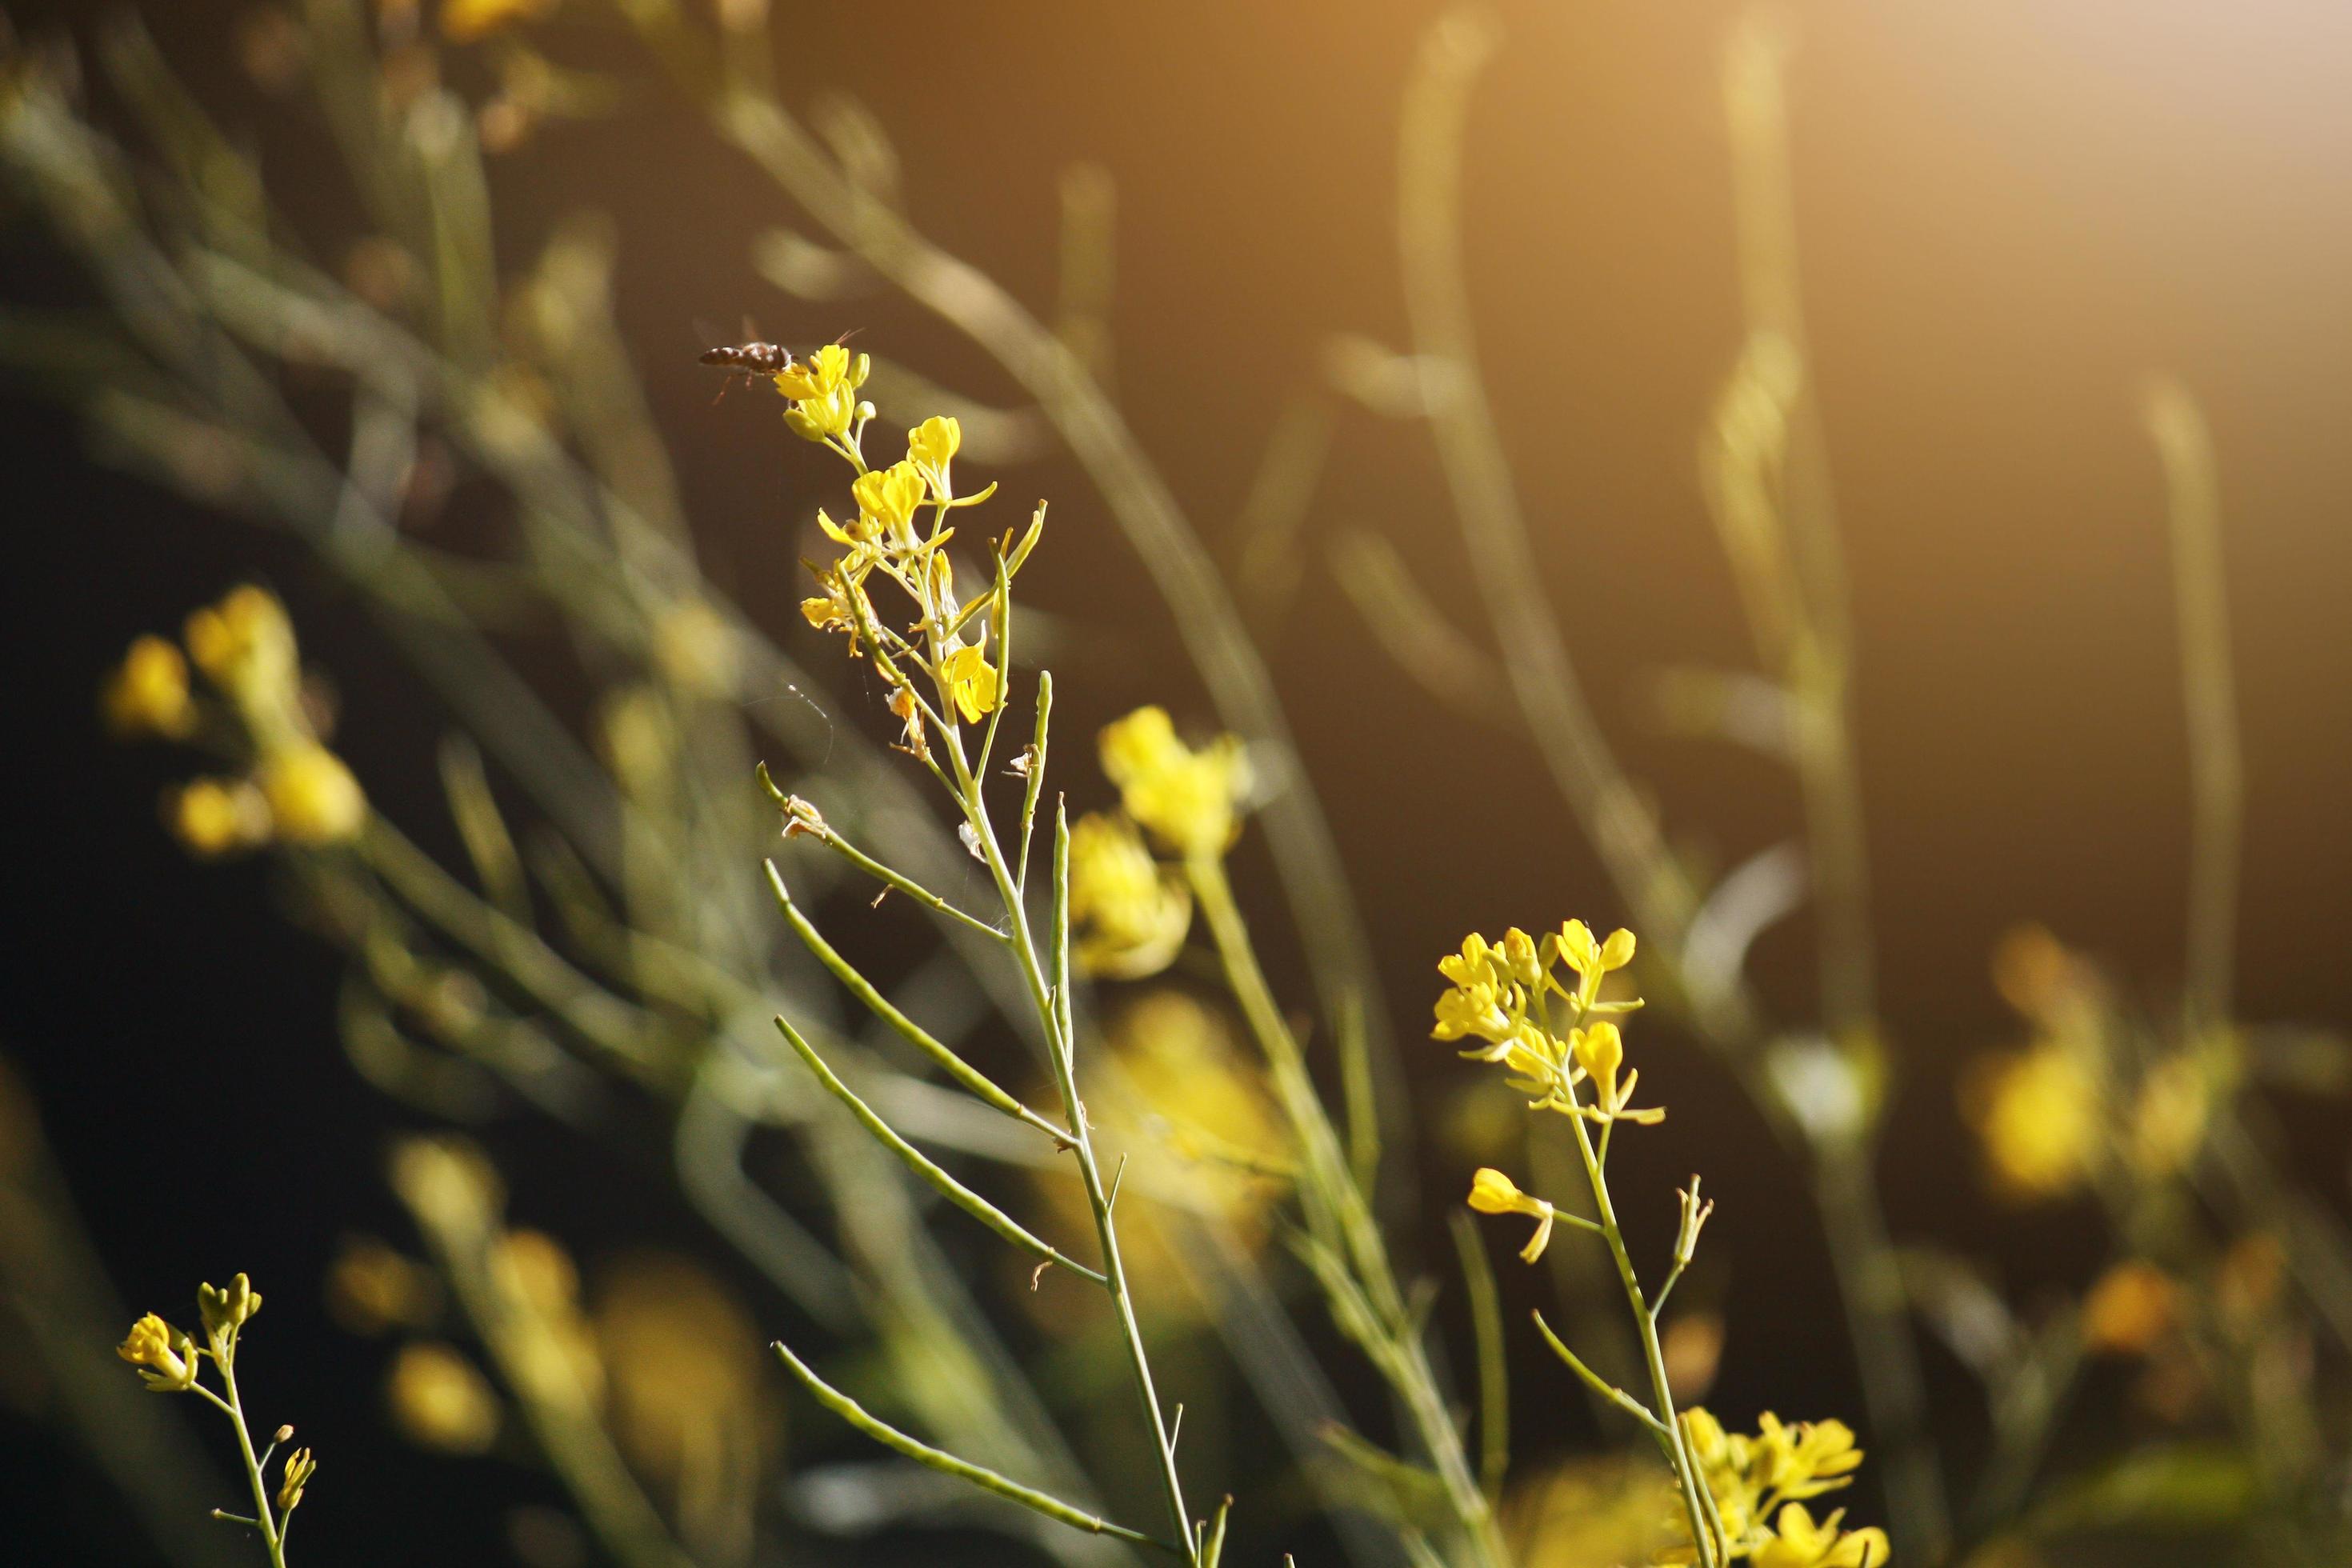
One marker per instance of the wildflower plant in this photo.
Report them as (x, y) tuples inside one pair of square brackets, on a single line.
[(947, 664), (1536, 1008), (170, 1360)]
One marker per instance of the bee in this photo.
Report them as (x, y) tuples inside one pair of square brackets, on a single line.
[(750, 359), (754, 360)]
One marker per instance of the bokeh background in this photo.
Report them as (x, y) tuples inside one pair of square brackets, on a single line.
[(2010, 216)]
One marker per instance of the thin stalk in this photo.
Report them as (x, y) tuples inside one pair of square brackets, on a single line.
[(2216, 769), (1327, 1184), (1494, 1366), (271, 1535), (1052, 1005), (1687, 1479)]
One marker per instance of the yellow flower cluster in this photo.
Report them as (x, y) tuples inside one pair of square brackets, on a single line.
[(292, 788), (2074, 1101), (887, 538), (1133, 912), (1503, 993), (1189, 800), (1760, 1484)]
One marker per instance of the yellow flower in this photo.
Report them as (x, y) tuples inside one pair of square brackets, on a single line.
[(1491, 1192), (299, 1468), (1477, 963), (225, 1310), (2037, 1113), (217, 817), (931, 446), (1600, 1051), (1576, 947), (1473, 1009), (837, 609), (862, 530), (1808, 1458), (822, 392), (148, 692), (313, 799), (1186, 798), (1520, 957), (821, 373), (463, 21), (887, 499), (165, 1357), (438, 1400), (1132, 913), (1799, 1543), (972, 681), (2128, 1310), (1758, 1480)]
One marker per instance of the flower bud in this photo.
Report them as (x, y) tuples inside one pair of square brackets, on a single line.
[(227, 1309)]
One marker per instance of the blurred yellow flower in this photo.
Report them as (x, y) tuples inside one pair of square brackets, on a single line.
[(313, 799), (972, 681), (1187, 799), (685, 1402), (1130, 914), (245, 646), (216, 817), (1589, 1512), (148, 692), (1192, 1112), (2170, 1113), (2128, 1310), (439, 1400), (2037, 1113), (464, 21), (165, 1356), (371, 1289), (535, 1272)]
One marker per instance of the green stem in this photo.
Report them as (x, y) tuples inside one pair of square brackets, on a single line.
[(271, 1536), (1053, 1014), (1328, 1184), (1687, 1479)]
